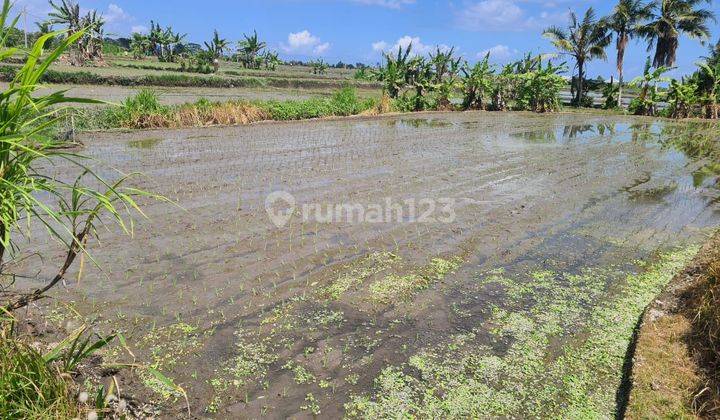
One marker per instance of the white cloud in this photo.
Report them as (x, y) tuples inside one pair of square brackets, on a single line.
[(139, 29), (305, 43), (115, 14), (37, 9), (418, 47), (380, 46), (504, 15), (492, 15), (390, 4), (498, 53), (321, 49)]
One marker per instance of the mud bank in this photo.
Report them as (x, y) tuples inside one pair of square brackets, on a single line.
[(564, 228)]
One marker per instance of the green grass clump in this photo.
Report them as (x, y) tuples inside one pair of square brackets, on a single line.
[(29, 387), (345, 102), (138, 111)]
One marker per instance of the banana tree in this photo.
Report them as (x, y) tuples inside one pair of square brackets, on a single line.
[(66, 13), (504, 88), (446, 68), (91, 43), (419, 76), (139, 45), (539, 89), (646, 102), (611, 92), (217, 46), (477, 83), (393, 73), (319, 66), (271, 60), (709, 76), (89, 46), (681, 98), (249, 49)]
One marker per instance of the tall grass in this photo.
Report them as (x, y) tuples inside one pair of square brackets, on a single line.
[(344, 102), (29, 387), (144, 110)]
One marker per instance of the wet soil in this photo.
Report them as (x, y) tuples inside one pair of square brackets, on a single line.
[(255, 320)]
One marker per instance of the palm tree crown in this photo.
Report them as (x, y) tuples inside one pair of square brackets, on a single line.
[(584, 40), (626, 19), (671, 19)]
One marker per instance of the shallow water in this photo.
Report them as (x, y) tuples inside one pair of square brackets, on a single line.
[(552, 214)]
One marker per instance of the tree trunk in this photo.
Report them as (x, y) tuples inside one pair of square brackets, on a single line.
[(581, 76), (621, 44), (2, 247)]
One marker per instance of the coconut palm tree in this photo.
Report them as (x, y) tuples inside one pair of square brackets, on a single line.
[(584, 41), (626, 20), (671, 19)]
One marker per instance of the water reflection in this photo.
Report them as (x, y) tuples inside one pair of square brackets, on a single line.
[(697, 141), (144, 143), (420, 123), (578, 131)]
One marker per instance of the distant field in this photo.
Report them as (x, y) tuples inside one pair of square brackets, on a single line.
[(131, 73), (123, 77), (231, 68), (181, 95)]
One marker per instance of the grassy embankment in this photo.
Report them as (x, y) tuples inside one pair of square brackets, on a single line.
[(676, 370), (144, 110), (155, 77)]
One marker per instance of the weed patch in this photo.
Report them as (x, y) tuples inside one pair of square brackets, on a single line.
[(563, 360), (30, 387)]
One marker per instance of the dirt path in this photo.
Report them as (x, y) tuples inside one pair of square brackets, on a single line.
[(490, 314)]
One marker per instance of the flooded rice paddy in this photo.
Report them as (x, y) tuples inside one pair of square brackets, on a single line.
[(564, 228)]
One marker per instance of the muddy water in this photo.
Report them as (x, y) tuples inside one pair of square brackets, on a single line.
[(552, 215)]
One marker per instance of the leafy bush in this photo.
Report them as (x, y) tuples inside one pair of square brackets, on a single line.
[(346, 102), (539, 90)]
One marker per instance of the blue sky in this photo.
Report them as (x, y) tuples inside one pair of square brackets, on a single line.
[(358, 30)]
